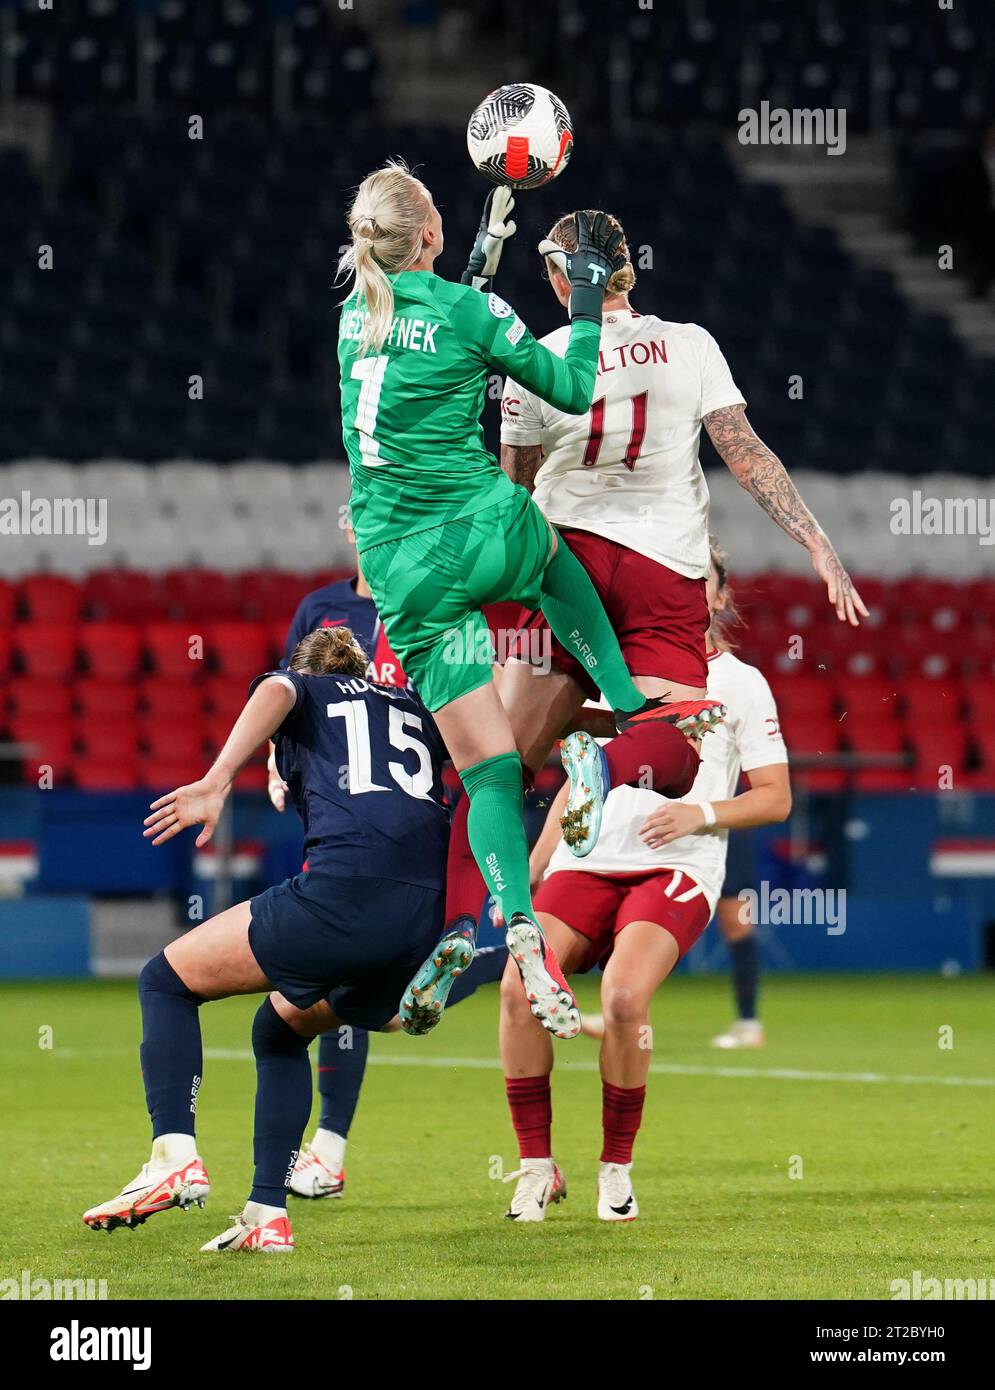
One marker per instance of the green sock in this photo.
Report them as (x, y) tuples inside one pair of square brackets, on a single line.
[(496, 831), (580, 624)]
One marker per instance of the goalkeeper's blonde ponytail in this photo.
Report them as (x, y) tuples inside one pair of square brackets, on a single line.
[(388, 213)]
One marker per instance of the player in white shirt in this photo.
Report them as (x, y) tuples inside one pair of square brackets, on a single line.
[(635, 905), (624, 486)]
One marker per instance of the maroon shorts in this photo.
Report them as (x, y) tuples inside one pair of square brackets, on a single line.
[(600, 905), (660, 617)]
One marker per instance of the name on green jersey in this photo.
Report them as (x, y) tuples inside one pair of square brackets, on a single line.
[(416, 334)]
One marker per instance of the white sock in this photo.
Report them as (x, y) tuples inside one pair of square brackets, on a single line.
[(173, 1150), (330, 1148), (259, 1214)]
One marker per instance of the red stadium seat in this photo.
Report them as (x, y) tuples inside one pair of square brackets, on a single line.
[(983, 738), (165, 698), (29, 695), (124, 596), (811, 734), (217, 727), (173, 650), (271, 595), (805, 694), (979, 599), (917, 596), (160, 774), (872, 694), (880, 733), (174, 739), (980, 694), (239, 649), (108, 739), (811, 737), (49, 598), (202, 595), (225, 696), (320, 578), (277, 639), (937, 748), (47, 650), (8, 601), (111, 649), (98, 696), (105, 775), (50, 741), (252, 778), (931, 700)]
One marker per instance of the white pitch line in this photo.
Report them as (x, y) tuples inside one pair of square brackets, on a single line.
[(870, 1078)]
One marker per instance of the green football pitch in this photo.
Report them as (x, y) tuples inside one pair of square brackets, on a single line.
[(855, 1149)]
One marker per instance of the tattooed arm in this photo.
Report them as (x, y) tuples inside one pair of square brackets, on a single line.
[(761, 473), (522, 462)]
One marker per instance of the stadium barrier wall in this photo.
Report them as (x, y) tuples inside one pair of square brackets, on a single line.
[(910, 880), (45, 938)]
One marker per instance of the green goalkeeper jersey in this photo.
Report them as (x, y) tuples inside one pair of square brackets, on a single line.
[(411, 413)]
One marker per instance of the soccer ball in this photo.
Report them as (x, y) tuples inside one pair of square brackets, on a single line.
[(520, 135)]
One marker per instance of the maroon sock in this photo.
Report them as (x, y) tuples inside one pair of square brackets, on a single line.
[(621, 1114), (655, 756), (465, 887), (531, 1104), (465, 890)]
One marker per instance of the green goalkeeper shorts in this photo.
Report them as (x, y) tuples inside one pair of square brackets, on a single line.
[(430, 587)]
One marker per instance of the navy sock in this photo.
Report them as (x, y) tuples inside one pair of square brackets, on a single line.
[(488, 966), (283, 1103), (171, 1052), (341, 1067), (745, 973)]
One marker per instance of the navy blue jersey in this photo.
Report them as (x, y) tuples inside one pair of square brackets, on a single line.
[(338, 605), (364, 767)]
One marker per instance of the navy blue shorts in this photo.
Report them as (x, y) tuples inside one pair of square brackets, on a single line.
[(353, 941), (741, 869)]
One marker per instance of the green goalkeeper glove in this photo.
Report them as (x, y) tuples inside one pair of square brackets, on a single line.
[(600, 252)]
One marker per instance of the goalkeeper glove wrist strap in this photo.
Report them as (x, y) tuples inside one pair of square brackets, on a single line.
[(586, 302), (479, 282)]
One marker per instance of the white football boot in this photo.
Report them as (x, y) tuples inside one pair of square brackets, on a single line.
[(616, 1199), (540, 1185), (550, 997), (159, 1186), (745, 1032), (258, 1229), (315, 1176)]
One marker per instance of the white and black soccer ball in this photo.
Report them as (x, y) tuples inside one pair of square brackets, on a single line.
[(520, 135)]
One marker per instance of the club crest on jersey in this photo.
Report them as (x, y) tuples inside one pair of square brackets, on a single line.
[(498, 307)]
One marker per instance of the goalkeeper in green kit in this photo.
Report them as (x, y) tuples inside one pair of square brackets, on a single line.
[(442, 530)]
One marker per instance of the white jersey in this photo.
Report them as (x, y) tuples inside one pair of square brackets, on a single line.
[(628, 469), (749, 737)]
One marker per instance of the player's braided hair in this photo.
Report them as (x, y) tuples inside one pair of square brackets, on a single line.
[(329, 651), (386, 219), (564, 233), (727, 616)]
